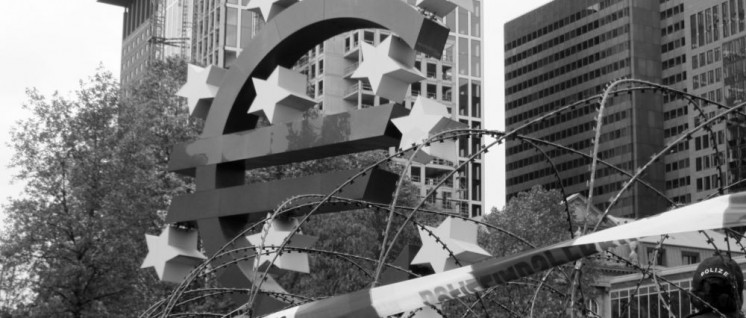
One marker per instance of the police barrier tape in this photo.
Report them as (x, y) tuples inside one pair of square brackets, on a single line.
[(721, 212)]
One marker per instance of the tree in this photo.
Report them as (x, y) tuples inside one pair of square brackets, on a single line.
[(94, 165), (539, 217), (61, 227)]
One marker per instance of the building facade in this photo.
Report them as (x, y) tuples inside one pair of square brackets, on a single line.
[(567, 50), (629, 296), (152, 30), (622, 289)]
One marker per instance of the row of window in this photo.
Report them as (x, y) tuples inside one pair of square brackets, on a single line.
[(703, 142), (705, 25), (675, 113), (563, 38), (615, 117), (670, 12), (684, 199), (677, 183), (565, 116), (715, 95), (578, 178), (614, 152), (567, 52), (564, 69), (707, 78), (608, 188), (675, 44), (705, 58), (681, 59), (673, 79), (591, 75), (555, 153), (708, 161), (607, 171), (675, 131), (707, 183), (593, 9), (556, 120), (614, 134), (672, 28), (682, 146), (645, 301), (578, 162), (621, 203), (577, 112), (676, 165), (571, 181), (569, 132)]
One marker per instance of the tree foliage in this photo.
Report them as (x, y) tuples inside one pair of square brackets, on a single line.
[(94, 165), (538, 216)]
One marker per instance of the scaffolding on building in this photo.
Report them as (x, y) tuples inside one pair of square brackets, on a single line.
[(158, 37)]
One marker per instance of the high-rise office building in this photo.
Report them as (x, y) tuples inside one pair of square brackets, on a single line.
[(221, 29), (568, 50), (152, 30)]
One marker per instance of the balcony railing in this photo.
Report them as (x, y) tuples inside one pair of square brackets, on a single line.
[(434, 181), (442, 162), (352, 68), (356, 87)]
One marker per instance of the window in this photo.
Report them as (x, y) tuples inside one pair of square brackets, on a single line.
[(660, 256), (415, 174), (688, 258)]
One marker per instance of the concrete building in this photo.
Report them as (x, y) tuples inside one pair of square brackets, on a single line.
[(569, 50), (622, 295), (221, 29), (675, 259), (152, 30)]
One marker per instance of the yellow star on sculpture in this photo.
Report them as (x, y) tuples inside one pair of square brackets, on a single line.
[(459, 236), (389, 67), (201, 87), (287, 260), (442, 8), (173, 253), (282, 97), (428, 117), (269, 8)]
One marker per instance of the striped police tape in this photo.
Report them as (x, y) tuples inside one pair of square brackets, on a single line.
[(721, 212)]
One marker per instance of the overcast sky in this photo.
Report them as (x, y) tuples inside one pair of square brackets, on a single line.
[(52, 44)]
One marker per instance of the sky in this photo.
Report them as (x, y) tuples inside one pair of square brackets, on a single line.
[(51, 45)]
